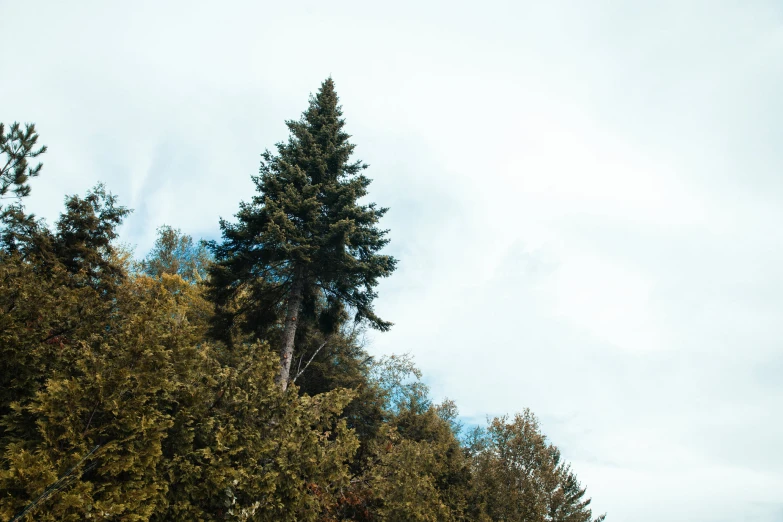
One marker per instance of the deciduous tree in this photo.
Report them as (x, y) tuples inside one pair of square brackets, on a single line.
[(175, 253), (519, 476)]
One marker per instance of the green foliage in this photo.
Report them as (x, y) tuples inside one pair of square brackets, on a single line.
[(241, 445), (398, 482), (518, 475), (82, 242), (176, 253), (17, 146), (42, 314), (85, 232), (422, 454), (303, 237), (324, 362), (106, 385), (56, 291), (118, 403), (185, 431)]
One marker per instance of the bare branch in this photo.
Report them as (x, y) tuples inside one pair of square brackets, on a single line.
[(300, 372)]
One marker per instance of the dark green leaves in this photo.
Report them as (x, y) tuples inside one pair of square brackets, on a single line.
[(17, 146)]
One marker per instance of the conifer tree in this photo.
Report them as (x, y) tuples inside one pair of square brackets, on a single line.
[(82, 241), (304, 233), (16, 147)]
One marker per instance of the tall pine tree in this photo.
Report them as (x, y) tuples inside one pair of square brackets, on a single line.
[(304, 234)]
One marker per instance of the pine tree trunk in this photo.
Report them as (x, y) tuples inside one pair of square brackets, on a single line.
[(289, 333)]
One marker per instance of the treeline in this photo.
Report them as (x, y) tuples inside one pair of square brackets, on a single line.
[(228, 380)]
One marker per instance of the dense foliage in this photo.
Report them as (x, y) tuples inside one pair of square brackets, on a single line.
[(152, 390), (304, 238)]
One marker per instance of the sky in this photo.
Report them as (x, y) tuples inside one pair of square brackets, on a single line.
[(585, 199)]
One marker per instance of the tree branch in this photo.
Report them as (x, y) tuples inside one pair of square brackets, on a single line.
[(54, 487), (300, 372)]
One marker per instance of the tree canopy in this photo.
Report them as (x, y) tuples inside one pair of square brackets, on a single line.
[(187, 387), (303, 236)]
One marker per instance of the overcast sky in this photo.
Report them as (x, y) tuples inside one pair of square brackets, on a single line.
[(586, 198)]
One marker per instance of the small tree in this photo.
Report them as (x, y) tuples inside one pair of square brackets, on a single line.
[(176, 253), (304, 233), (519, 476)]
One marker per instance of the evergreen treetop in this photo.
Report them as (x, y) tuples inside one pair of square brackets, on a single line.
[(304, 232), (16, 147)]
